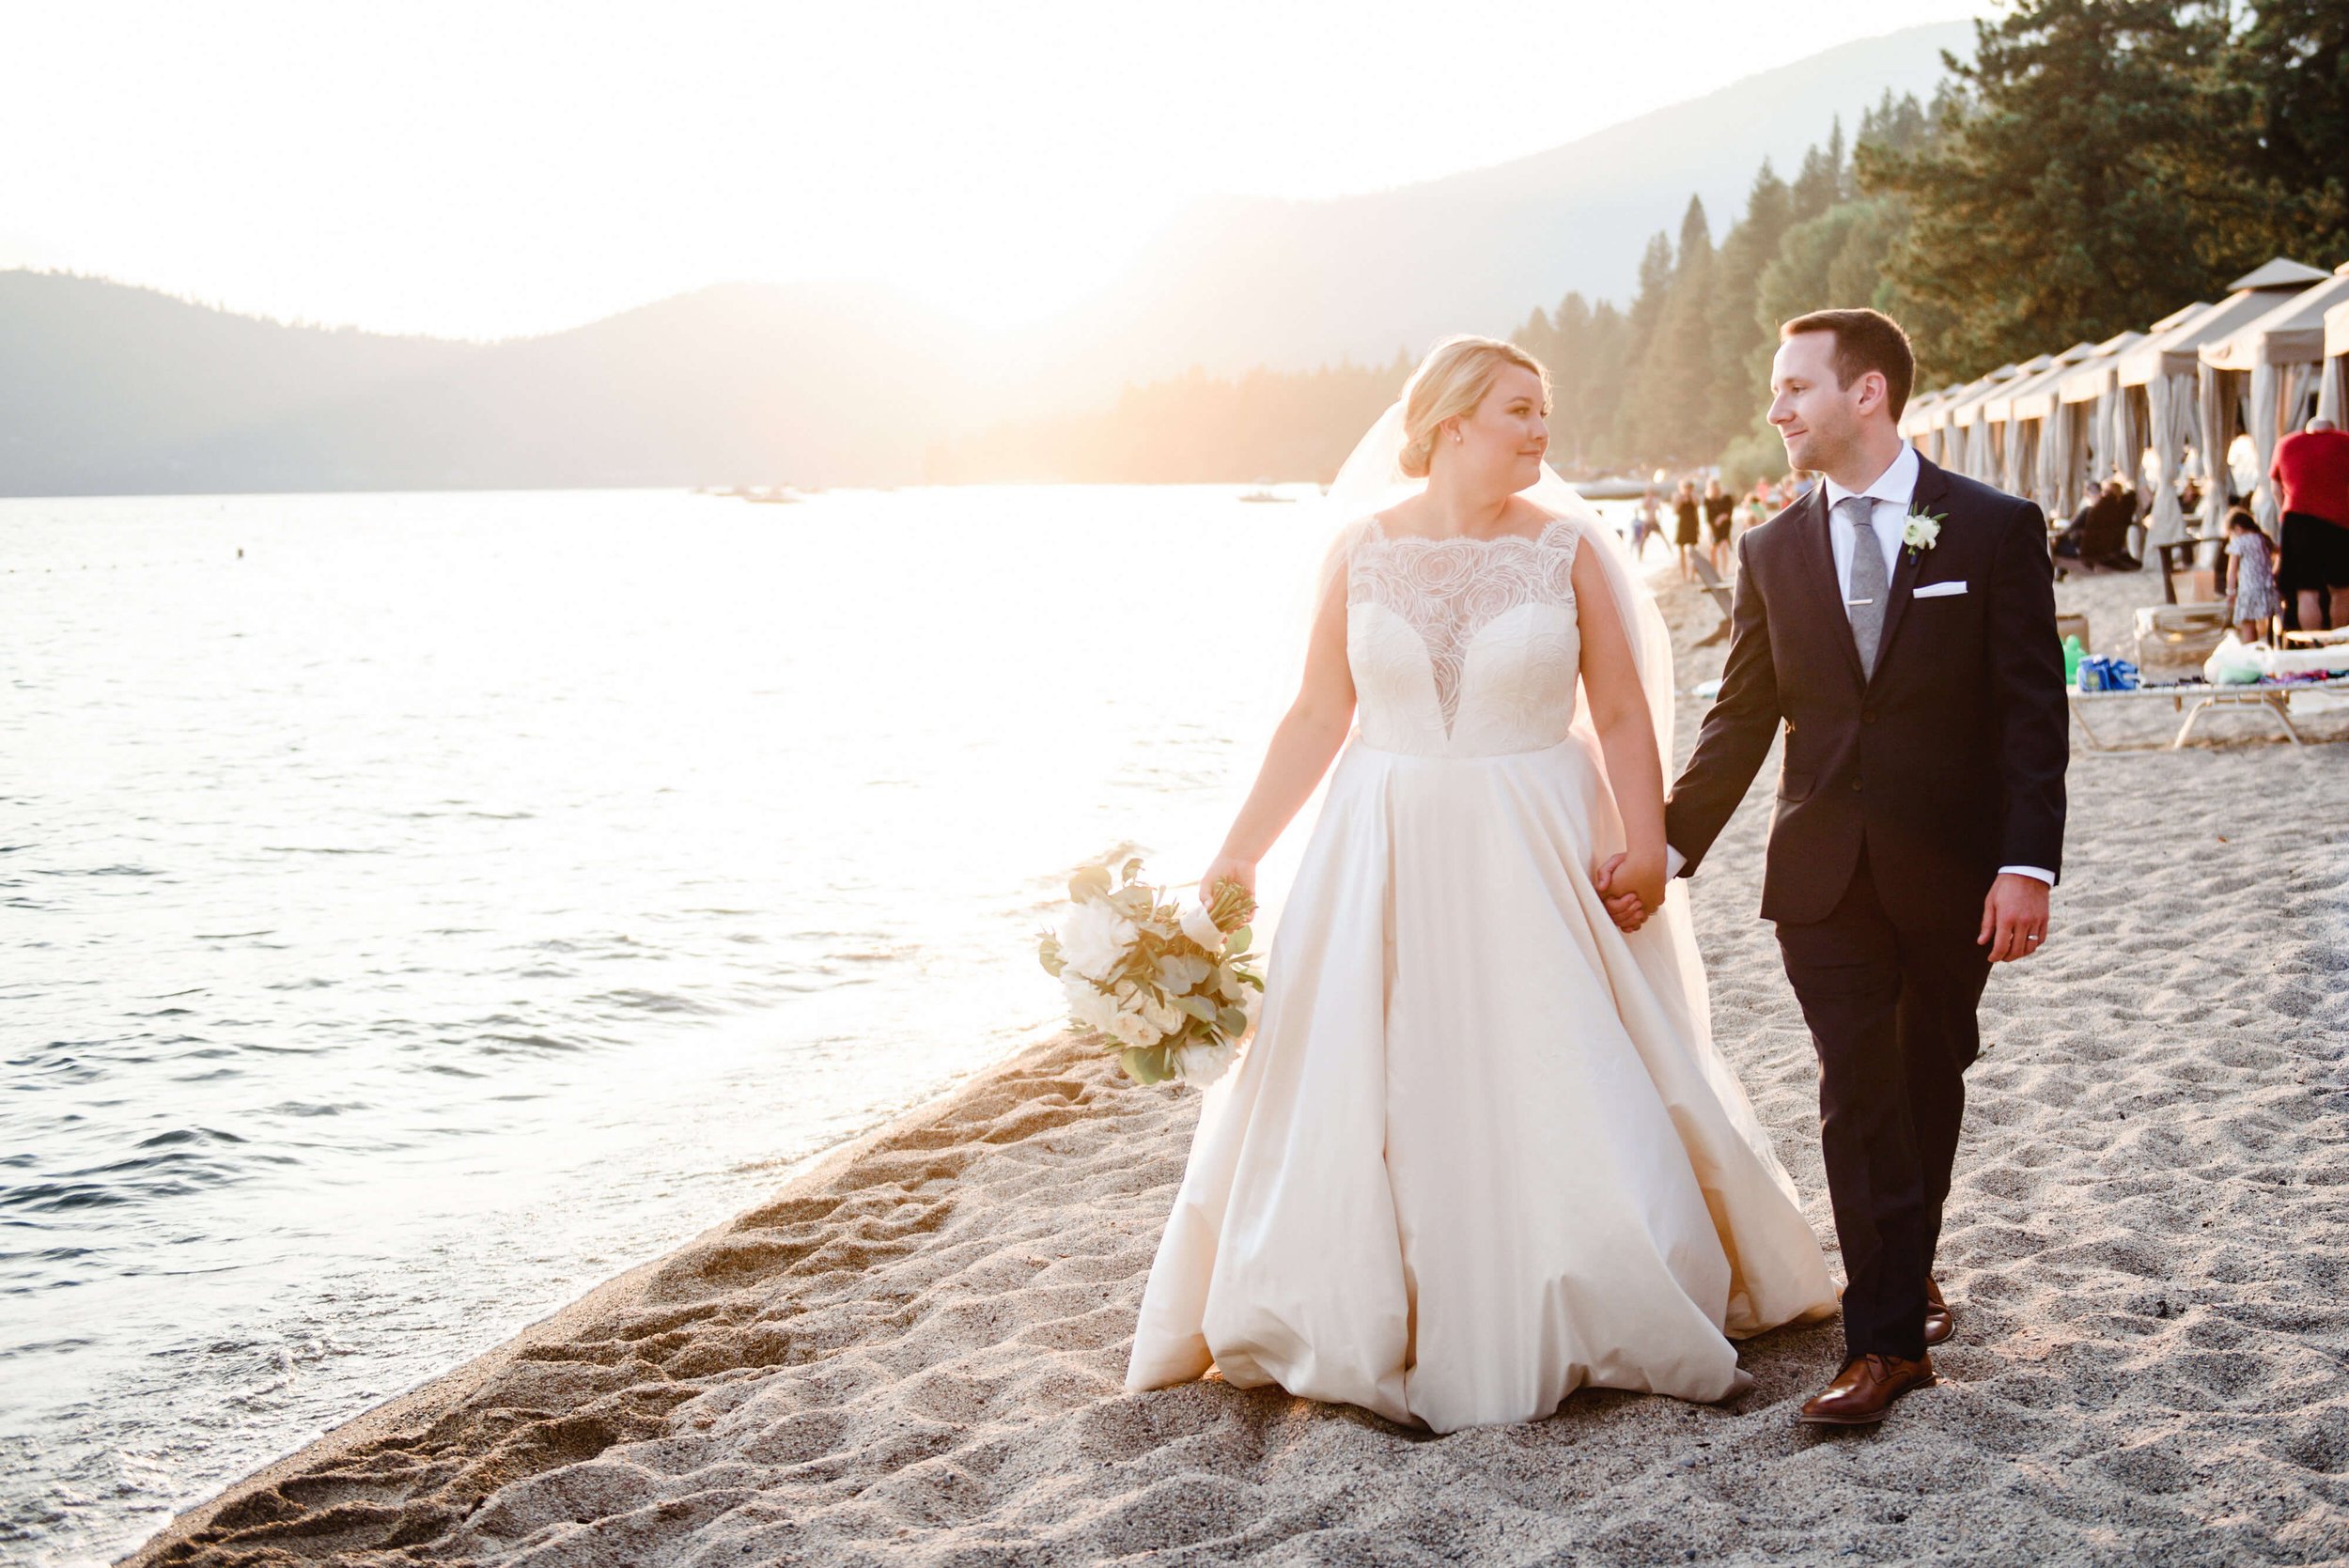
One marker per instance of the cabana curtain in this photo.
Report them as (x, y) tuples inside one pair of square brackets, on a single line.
[(2219, 409), (2015, 473), (2054, 443), (2170, 400)]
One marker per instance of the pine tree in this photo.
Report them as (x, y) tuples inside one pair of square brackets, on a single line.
[(1669, 380), (2285, 92), (1674, 386), (1537, 337), (1898, 124), (1740, 337), (2050, 206), (1819, 184), (1571, 371), (1609, 357), (1632, 436)]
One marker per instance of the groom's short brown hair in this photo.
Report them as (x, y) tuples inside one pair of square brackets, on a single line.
[(1865, 340)]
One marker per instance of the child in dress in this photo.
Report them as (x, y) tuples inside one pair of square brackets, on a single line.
[(2250, 577)]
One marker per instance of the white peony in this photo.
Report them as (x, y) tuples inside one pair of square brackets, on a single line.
[(1095, 940), (1200, 927), (1200, 1065), (1133, 1028), (1164, 1017), (1086, 1004)]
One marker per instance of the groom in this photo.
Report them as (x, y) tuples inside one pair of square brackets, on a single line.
[(1899, 622)]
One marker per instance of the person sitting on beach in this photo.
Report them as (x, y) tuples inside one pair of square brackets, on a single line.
[(2098, 535), (2250, 577)]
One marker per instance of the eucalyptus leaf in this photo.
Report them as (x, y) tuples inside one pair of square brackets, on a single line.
[(1091, 882), (1179, 971), (1145, 1063), (1232, 1021)]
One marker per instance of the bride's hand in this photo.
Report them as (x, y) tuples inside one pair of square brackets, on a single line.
[(1223, 869), (1632, 890)]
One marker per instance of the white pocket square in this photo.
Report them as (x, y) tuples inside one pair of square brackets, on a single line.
[(1938, 590)]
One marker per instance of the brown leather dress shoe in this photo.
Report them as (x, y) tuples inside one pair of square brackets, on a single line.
[(1940, 1323), (1865, 1390)]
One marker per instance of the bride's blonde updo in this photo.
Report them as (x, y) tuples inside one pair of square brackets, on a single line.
[(1454, 379)]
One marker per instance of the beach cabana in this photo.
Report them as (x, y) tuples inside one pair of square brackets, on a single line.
[(2039, 421), (1917, 426), (2157, 376), (2271, 365), (1943, 439), (2017, 440), (2115, 436), (2167, 365), (2333, 397), (1967, 441), (2014, 459)]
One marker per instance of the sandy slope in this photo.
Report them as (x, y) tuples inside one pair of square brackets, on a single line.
[(913, 1353)]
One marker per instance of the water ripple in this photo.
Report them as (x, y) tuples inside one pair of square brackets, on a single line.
[(458, 898)]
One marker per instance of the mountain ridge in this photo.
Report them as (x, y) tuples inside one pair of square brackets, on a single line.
[(114, 388)]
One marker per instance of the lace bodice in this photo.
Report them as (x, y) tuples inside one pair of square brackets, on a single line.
[(1463, 646)]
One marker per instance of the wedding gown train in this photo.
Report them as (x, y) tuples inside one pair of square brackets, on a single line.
[(1482, 1150)]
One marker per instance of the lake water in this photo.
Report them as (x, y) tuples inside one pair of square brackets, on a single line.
[(458, 899)]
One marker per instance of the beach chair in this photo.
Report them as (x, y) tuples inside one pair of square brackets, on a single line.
[(2175, 639), (1711, 582), (2192, 701)]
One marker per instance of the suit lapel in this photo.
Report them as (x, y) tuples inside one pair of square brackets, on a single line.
[(1932, 485), (1817, 570)]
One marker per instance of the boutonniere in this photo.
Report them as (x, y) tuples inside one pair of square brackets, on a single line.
[(1918, 530)]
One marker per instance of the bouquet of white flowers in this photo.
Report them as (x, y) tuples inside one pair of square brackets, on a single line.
[(1171, 987)]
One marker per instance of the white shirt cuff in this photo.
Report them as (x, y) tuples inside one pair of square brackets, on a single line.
[(2046, 877)]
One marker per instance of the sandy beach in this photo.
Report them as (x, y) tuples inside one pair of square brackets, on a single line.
[(913, 1353)]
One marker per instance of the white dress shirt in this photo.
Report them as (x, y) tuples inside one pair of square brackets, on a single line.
[(1891, 492)]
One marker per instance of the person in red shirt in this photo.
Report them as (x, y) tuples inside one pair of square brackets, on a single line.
[(2312, 477)]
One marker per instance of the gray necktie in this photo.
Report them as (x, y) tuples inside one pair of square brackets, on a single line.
[(1869, 586)]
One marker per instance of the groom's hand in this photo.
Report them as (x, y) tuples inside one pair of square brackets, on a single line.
[(2013, 918)]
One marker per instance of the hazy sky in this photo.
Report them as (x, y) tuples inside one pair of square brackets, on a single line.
[(485, 168)]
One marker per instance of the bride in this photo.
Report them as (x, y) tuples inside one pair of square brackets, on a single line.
[(1482, 1150)]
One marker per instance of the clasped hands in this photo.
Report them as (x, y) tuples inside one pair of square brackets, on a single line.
[(1631, 888), (2013, 916)]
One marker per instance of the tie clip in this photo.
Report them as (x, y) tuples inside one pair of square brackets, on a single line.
[(1860, 601)]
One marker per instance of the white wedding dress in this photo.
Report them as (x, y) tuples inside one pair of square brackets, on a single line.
[(1481, 1150)]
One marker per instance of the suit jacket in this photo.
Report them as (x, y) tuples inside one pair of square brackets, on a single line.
[(1947, 764)]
